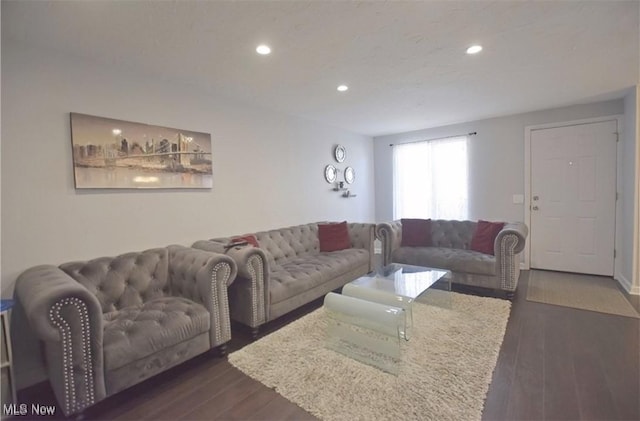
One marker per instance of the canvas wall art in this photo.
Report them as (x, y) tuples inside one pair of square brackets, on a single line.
[(117, 154)]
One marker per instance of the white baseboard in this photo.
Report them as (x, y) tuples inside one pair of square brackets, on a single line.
[(626, 284)]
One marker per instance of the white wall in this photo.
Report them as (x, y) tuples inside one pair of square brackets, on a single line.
[(496, 158), (0, 157), (627, 200), (636, 241), (268, 167)]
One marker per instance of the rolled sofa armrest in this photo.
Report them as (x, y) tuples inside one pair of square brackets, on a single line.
[(243, 256), (204, 277), (68, 319), (518, 230), (249, 295), (390, 236), (362, 236), (509, 242)]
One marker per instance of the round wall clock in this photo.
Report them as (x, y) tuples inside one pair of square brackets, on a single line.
[(330, 173), (340, 153), (349, 175)]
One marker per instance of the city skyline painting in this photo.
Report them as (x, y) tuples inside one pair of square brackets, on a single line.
[(110, 153)]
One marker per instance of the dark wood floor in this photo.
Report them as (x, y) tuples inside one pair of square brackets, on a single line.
[(559, 363), (556, 363)]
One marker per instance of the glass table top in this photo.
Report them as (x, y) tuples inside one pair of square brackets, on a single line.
[(404, 280)]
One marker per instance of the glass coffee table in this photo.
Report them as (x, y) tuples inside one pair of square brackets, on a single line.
[(374, 314)]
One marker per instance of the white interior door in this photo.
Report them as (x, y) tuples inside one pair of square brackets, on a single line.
[(573, 193)]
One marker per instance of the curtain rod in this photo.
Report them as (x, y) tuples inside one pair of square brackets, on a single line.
[(438, 138)]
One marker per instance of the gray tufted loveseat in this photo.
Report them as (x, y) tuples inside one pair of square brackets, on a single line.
[(288, 270), (450, 250), (109, 323)]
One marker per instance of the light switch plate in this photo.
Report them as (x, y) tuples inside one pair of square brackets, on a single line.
[(518, 199)]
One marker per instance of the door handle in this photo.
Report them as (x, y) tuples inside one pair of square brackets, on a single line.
[(535, 208)]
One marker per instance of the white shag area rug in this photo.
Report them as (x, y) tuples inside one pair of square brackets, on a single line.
[(445, 372)]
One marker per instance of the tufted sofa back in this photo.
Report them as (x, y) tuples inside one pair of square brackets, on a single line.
[(285, 243), (362, 235), (452, 234), (125, 280)]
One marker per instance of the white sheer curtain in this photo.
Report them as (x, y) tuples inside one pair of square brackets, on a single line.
[(430, 179)]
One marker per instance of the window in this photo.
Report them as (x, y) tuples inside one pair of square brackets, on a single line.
[(430, 179)]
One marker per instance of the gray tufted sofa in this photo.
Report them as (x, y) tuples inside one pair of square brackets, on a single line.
[(288, 270), (112, 322), (450, 250)]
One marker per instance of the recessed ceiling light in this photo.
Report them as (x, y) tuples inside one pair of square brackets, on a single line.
[(474, 49), (342, 88), (263, 49)]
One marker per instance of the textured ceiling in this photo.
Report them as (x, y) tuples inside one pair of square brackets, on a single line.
[(404, 62)]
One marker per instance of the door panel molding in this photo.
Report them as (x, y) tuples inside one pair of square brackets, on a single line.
[(527, 176)]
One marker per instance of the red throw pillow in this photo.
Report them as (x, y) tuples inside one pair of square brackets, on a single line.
[(485, 235), (416, 232), (251, 239), (334, 237)]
